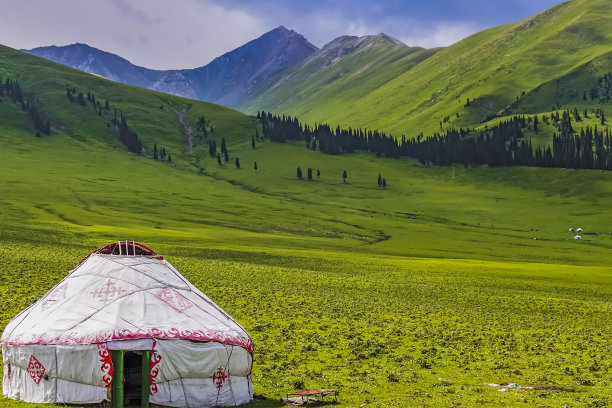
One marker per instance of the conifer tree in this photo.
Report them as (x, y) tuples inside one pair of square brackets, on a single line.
[(379, 180), (237, 163), (223, 145), (226, 156), (253, 142), (309, 173), (255, 166), (169, 158), (318, 174), (384, 183), (218, 159), (299, 173), (155, 152), (344, 176)]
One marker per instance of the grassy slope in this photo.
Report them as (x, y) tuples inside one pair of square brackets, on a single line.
[(415, 295), (493, 67), (319, 85)]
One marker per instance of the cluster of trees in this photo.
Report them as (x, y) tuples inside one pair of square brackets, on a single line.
[(127, 135), (601, 91), (161, 154), (212, 151), (500, 145), (72, 96), (202, 131), (12, 89), (309, 173)]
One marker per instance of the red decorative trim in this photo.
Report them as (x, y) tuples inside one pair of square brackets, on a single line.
[(35, 369), (155, 360), (107, 364), (219, 377), (109, 335)]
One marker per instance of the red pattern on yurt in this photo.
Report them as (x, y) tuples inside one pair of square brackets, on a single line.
[(174, 299), (125, 334), (219, 377), (57, 294), (107, 364), (109, 291), (35, 369), (155, 360)]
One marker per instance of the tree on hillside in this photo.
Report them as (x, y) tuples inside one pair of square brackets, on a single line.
[(69, 95), (81, 99), (384, 183), (379, 180), (603, 117), (309, 173), (106, 105), (155, 152), (237, 163), (226, 156), (318, 174), (344, 176), (299, 173), (212, 148), (218, 159), (223, 145), (255, 166), (535, 123), (253, 142), (169, 158)]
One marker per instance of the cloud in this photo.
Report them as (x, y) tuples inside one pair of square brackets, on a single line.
[(153, 33)]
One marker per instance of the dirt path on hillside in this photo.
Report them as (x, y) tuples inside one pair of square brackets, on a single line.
[(185, 128)]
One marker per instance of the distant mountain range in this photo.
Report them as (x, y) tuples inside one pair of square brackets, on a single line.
[(555, 58), (227, 80)]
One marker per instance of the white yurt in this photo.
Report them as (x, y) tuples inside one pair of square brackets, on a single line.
[(125, 328)]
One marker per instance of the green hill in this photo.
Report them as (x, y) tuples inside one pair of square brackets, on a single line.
[(492, 68), (342, 71), (420, 293)]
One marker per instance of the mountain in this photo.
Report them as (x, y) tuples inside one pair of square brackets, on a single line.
[(347, 68), (95, 61), (496, 69), (226, 80)]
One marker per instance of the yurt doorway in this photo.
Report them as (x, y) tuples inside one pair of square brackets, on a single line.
[(131, 379)]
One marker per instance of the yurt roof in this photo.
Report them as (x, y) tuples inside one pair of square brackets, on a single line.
[(123, 291)]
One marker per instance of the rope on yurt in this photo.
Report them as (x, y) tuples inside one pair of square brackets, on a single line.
[(161, 346)]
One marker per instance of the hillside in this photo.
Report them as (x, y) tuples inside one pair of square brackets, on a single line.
[(492, 68), (419, 293), (342, 71), (226, 80)]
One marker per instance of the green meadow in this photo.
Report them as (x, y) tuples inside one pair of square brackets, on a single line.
[(419, 294)]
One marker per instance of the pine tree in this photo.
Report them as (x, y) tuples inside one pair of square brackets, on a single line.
[(226, 156), (309, 173), (384, 183), (344, 176), (169, 158), (255, 166), (218, 159), (106, 105), (223, 145), (535, 123), (379, 180), (318, 174), (603, 117), (69, 95), (237, 163), (299, 173), (155, 152)]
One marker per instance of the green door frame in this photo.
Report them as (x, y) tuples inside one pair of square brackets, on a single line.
[(117, 384)]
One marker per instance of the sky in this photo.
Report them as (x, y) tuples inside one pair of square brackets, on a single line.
[(167, 34)]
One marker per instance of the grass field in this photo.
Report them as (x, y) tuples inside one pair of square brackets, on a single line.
[(417, 294)]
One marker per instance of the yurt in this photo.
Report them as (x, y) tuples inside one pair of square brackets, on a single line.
[(125, 328)]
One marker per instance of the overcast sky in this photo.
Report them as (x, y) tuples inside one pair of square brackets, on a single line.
[(167, 34)]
